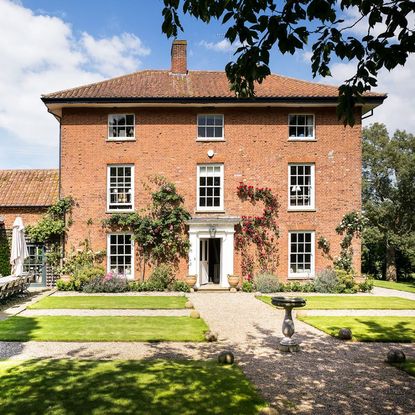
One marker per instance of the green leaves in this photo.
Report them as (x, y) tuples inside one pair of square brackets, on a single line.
[(261, 25)]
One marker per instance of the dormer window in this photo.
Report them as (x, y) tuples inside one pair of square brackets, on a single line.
[(121, 127), (210, 127), (301, 127)]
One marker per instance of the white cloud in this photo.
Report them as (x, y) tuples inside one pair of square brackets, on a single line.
[(222, 46), (397, 111), (41, 54)]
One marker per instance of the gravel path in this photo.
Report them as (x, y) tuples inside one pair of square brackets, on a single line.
[(326, 377), (387, 292), (104, 312), (351, 313)]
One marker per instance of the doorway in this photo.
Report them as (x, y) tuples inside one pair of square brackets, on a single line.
[(209, 260)]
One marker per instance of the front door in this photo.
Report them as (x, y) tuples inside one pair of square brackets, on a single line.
[(36, 264), (204, 261)]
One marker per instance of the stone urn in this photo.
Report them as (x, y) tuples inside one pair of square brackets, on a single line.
[(191, 280), (233, 280)]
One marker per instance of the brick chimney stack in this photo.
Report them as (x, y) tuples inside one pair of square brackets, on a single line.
[(179, 57)]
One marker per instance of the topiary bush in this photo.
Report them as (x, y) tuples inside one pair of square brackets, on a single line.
[(267, 283), (326, 281), (5, 268)]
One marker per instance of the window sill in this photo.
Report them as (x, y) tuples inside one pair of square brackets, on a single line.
[(302, 210), (210, 211), (302, 139), (209, 140), (110, 212), (301, 277), (118, 140)]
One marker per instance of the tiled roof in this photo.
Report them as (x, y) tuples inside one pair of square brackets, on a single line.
[(28, 187), (195, 84)]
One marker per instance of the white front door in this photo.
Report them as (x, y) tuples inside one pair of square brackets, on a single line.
[(204, 261)]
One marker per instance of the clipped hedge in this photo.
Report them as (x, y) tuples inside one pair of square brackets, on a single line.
[(5, 268)]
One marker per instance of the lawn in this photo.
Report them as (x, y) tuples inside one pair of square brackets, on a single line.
[(111, 302), (341, 302), (102, 328), (60, 387), (401, 286), (408, 366), (367, 329)]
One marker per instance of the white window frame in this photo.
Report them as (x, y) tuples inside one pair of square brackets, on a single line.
[(131, 277), (222, 188), (296, 138), (222, 138), (312, 205), (302, 275), (109, 188), (109, 138)]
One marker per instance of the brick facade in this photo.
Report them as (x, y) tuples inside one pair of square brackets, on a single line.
[(256, 150)]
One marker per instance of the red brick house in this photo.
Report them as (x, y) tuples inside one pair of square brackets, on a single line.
[(189, 127), (28, 194)]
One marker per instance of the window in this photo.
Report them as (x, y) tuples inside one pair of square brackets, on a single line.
[(301, 254), (210, 127), (35, 261), (120, 196), (301, 126), (300, 186), (121, 126), (210, 187), (120, 254)]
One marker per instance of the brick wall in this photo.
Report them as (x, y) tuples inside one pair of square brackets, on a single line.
[(256, 151), (29, 215)]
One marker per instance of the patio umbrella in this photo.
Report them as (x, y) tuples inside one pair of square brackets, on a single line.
[(19, 248)]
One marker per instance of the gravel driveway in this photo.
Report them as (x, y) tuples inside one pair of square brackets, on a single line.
[(326, 377)]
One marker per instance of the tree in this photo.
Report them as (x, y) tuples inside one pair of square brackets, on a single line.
[(256, 26), (389, 201)]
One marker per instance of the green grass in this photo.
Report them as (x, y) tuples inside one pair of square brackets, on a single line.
[(408, 366), (367, 329), (162, 387), (401, 286), (111, 302), (101, 329), (329, 302)]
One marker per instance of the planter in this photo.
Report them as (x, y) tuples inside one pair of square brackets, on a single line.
[(191, 280), (233, 280)]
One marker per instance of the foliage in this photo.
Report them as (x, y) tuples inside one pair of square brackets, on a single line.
[(346, 282), (324, 244), (259, 231), (162, 277), (110, 283), (388, 201), (326, 281), (180, 286), (52, 226), (5, 268), (266, 283), (366, 286), (351, 227), (296, 286), (63, 285), (84, 275), (255, 27), (247, 286), (160, 230)]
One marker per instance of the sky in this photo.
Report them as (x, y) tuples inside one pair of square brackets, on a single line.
[(50, 45)]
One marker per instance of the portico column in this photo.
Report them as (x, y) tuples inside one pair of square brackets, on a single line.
[(193, 255), (227, 258)]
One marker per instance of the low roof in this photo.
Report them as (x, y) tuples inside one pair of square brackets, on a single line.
[(30, 188), (162, 84)]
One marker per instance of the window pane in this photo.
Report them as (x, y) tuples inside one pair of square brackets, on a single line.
[(310, 120), (300, 120), (210, 131), (201, 132), (130, 119), (210, 120), (201, 120), (292, 120), (218, 131)]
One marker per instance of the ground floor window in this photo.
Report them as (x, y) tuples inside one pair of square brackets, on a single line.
[(120, 254), (35, 261), (301, 254)]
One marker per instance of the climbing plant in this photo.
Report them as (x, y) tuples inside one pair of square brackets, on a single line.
[(256, 237), (159, 230)]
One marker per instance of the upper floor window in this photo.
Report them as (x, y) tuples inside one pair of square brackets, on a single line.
[(121, 126), (301, 254), (210, 127), (120, 254), (210, 187), (120, 188), (301, 126), (301, 186)]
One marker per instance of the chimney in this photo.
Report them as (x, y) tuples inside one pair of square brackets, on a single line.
[(179, 57)]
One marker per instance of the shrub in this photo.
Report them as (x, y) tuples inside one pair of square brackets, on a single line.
[(161, 278), (247, 286), (267, 283), (5, 268), (63, 285), (326, 281), (84, 275), (346, 283), (367, 285), (180, 286), (297, 286), (110, 283)]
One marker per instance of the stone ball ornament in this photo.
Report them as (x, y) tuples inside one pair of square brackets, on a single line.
[(226, 358), (395, 356), (345, 334)]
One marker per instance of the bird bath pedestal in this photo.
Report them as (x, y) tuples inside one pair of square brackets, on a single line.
[(287, 344)]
